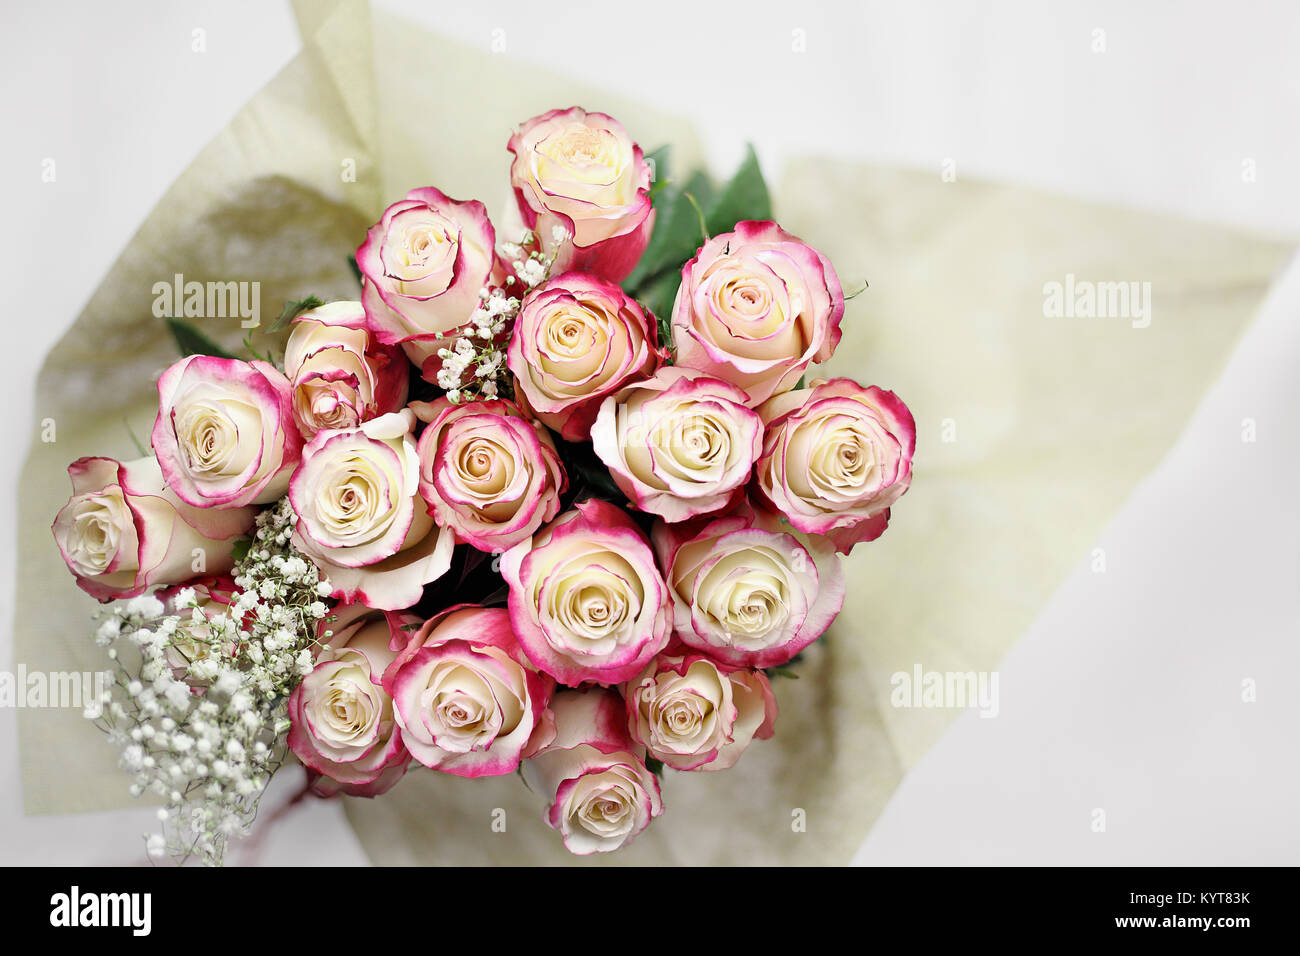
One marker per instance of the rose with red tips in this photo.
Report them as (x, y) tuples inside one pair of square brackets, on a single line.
[(582, 173), (361, 518), (680, 443), (488, 472), (694, 713), (124, 530), (342, 720), (576, 340), (601, 796), (756, 307), (836, 456), (586, 598), (225, 436), (424, 264), (340, 373), (468, 700), (747, 589)]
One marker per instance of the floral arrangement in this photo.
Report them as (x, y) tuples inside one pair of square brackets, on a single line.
[(561, 505)]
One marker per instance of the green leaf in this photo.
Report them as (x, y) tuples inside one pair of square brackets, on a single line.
[(658, 160), (292, 309), (655, 766), (191, 341), (676, 235), (356, 269), (658, 297), (745, 197), (786, 669), (240, 549)]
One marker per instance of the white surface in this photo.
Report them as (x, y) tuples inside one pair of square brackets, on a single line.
[(1201, 590)]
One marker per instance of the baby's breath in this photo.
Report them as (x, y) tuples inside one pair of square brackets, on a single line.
[(201, 720), (473, 359)]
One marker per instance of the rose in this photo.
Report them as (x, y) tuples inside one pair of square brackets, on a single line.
[(490, 474), (195, 643), (424, 264), (576, 340), (586, 600), (225, 435), (836, 457), (693, 713), (468, 700), (360, 515), (341, 376), (601, 794), (756, 307), (747, 589), (124, 531), (581, 172), (678, 444), (342, 721)]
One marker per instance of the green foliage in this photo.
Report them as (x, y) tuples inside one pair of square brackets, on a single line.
[(292, 309), (190, 341), (686, 214)]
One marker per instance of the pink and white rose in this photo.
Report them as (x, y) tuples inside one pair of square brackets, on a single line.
[(340, 373), (361, 517), (469, 701), (225, 436), (582, 173), (593, 774), (747, 589), (836, 456), (488, 472), (125, 531), (343, 725), (680, 443), (756, 307), (576, 340), (693, 713), (424, 264), (586, 599)]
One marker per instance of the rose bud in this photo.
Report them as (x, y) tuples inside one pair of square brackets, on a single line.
[(424, 264), (679, 444), (225, 435), (581, 172), (756, 307), (693, 713), (490, 474), (195, 642), (835, 458), (586, 599), (747, 589), (468, 699), (576, 340), (341, 375), (361, 518), (124, 530), (342, 721), (601, 794)]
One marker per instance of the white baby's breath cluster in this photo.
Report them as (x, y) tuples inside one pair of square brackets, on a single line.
[(199, 710), (474, 364)]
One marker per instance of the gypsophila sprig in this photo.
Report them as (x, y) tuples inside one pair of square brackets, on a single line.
[(474, 365), (201, 718)]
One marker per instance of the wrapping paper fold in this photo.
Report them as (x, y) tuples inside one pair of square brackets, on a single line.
[(1032, 429)]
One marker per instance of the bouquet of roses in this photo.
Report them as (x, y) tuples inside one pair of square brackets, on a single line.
[(558, 505)]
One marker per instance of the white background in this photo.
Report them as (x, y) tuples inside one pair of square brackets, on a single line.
[(1128, 686)]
